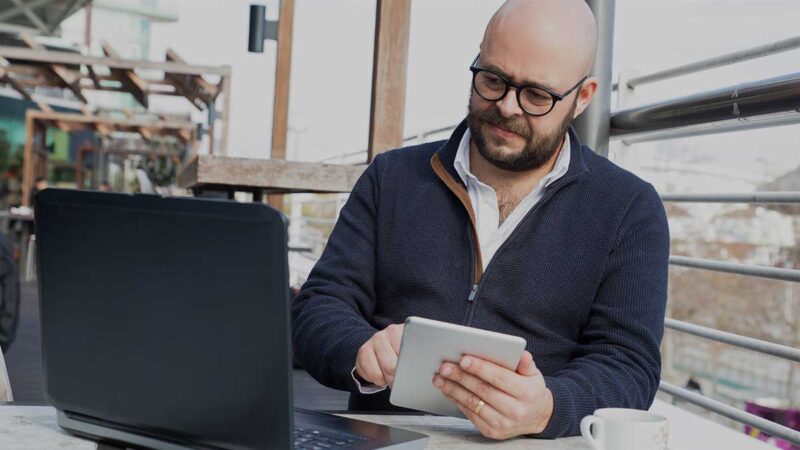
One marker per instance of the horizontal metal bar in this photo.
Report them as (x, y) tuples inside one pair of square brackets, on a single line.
[(319, 220), (718, 61), (773, 273), (318, 240), (772, 428), (751, 197), (344, 155), (702, 129), (756, 345), (319, 201), (756, 98), (405, 139), (430, 132)]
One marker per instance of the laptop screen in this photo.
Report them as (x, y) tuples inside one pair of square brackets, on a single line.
[(167, 316)]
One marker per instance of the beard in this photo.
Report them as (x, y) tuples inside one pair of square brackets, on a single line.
[(539, 147)]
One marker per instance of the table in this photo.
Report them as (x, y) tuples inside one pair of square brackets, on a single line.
[(34, 428), (208, 173)]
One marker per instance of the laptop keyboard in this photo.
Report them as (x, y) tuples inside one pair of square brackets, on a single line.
[(309, 439)]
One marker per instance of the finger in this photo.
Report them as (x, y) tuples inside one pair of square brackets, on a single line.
[(527, 367), (367, 366), (504, 379), (387, 358), (396, 337), (500, 400), (482, 426), (471, 401)]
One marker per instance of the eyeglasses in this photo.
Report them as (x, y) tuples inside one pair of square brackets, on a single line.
[(534, 100)]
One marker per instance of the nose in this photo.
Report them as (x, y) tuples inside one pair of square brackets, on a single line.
[(508, 106)]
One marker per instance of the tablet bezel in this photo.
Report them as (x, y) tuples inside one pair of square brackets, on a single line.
[(427, 343)]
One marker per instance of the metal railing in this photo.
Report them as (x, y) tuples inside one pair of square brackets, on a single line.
[(770, 96), (747, 197), (752, 270), (756, 345), (764, 103), (730, 412), (715, 62)]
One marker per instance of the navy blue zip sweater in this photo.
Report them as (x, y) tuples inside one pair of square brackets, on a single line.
[(583, 278)]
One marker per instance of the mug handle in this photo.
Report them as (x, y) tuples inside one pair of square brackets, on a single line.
[(596, 439)]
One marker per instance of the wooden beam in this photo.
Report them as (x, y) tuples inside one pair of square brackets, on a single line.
[(92, 73), (5, 68), (28, 174), (17, 87), (69, 78), (30, 71), (151, 91), (80, 118), (225, 88), (283, 71), (67, 58), (185, 135), (210, 89), (49, 109), (132, 82), (147, 135), (274, 175), (103, 129), (283, 67), (197, 90), (44, 106), (389, 67)]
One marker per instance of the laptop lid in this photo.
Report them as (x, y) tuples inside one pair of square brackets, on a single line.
[(166, 317)]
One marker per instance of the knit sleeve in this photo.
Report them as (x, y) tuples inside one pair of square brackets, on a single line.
[(617, 362), (330, 314)]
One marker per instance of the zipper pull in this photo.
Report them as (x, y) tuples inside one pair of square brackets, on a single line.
[(472, 293)]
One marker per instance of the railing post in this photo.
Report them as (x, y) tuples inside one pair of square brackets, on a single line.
[(594, 124)]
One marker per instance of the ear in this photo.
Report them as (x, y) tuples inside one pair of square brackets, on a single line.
[(585, 95)]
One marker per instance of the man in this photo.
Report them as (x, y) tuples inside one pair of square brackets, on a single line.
[(512, 226)]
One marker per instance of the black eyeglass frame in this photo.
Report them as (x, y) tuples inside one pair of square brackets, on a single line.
[(475, 69)]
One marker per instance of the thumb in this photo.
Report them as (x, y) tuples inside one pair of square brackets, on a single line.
[(526, 366)]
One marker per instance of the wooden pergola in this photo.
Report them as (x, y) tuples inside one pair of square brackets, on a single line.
[(36, 123), (33, 65)]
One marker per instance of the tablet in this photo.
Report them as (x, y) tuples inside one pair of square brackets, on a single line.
[(427, 343)]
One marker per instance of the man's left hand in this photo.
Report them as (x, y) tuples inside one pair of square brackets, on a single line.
[(502, 403)]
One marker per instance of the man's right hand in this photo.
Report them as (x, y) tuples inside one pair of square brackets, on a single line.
[(377, 358)]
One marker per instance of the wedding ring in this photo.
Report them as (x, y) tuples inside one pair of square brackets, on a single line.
[(478, 407)]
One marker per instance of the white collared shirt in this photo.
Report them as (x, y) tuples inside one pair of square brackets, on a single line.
[(491, 233)]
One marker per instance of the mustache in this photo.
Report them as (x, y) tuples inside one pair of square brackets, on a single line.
[(518, 126)]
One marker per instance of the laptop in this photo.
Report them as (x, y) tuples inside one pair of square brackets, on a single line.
[(165, 325)]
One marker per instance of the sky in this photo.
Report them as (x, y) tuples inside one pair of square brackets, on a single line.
[(332, 70)]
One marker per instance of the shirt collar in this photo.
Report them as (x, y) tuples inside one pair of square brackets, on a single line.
[(462, 161)]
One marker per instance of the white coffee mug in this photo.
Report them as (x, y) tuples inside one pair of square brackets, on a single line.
[(625, 429)]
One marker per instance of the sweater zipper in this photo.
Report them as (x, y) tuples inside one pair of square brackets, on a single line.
[(473, 295)]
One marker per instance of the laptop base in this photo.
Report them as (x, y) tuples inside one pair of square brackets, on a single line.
[(377, 436)]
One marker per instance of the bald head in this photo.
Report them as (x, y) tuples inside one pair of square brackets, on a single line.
[(560, 34)]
